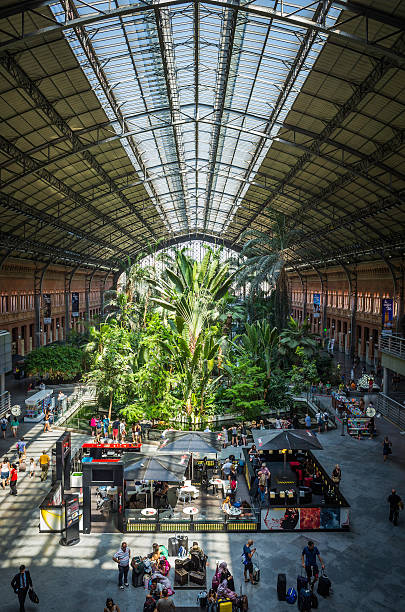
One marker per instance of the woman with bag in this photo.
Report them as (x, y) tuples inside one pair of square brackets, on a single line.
[(387, 448)]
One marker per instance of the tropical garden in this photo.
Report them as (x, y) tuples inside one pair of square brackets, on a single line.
[(189, 339)]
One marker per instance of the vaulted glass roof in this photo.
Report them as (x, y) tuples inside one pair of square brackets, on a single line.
[(200, 89)]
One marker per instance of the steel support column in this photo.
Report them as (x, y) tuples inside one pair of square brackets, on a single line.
[(88, 282), (38, 280), (351, 275)]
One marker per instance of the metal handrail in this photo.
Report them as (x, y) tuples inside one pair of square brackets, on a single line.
[(5, 403), (390, 408), (394, 345)]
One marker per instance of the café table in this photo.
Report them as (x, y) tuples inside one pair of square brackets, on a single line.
[(191, 511), (234, 511), (149, 511)]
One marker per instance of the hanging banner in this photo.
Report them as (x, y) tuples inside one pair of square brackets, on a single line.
[(387, 311), (317, 305), (47, 305), (75, 304)]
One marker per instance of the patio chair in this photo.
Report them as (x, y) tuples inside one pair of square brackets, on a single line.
[(183, 496)]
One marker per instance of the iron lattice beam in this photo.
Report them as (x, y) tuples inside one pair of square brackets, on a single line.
[(292, 19), (201, 236), (29, 211), (36, 95), (366, 87), (29, 162), (20, 244)]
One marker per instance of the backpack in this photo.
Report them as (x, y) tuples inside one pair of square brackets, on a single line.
[(182, 552), (291, 596)]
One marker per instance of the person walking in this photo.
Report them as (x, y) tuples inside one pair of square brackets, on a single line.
[(47, 426), (308, 559), (5, 472), (44, 462), (325, 419), (4, 425), (396, 505), (248, 552), (13, 479), (21, 584), (32, 467), (166, 603), (387, 448), (122, 557), (319, 420), (14, 426), (110, 606), (234, 432), (308, 421), (21, 448), (116, 430), (243, 432)]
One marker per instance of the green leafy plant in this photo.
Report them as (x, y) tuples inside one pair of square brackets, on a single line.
[(61, 362)]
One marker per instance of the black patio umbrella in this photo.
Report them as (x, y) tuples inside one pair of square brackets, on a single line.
[(285, 439), (192, 442), (163, 468)]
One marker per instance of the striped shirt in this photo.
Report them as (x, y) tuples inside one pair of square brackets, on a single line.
[(122, 556)]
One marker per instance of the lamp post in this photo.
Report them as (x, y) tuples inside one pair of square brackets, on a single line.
[(343, 424)]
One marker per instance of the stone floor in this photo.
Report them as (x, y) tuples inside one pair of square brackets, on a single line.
[(366, 565)]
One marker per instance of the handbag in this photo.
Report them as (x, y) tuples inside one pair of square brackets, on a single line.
[(33, 596)]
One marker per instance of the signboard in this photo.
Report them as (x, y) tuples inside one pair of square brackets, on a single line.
[(75, 304), (72, 519), (47, 302), (387, 311), (317, 305), (304, 519)]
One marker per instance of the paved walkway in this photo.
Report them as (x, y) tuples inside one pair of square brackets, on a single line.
[(366, 565)]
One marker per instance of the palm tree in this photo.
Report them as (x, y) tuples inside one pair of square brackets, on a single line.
[(259, 343), (297, 335), (264, 258)]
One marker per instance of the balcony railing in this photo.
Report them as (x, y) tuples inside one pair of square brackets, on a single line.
[(393, 345), (393, 410)]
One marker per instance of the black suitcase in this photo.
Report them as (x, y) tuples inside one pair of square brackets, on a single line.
[(304, 600), (324, 585), (302, 583), (197, 578), (314, 601), (281, 587), (173, 547), (137, 579)]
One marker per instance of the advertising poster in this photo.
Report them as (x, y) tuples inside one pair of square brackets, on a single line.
[(344, 517), (330, 518), (75, 304), (47, 305), (317, 305), (387, 310), (310, 518), (281, 518)]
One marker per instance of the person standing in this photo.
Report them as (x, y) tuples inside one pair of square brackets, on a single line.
[(21, 448), (122, 557), (44, 462), (326, 420), (295, 421), (387, 448), (123, 431), (5, 472), (319, 420), (14, 426), (224, 437), (13, 479), (106, 424), (21, 584), (166, 603), (93, 424), (308, 559), (116, 430), (308, 421), (4, 425), (248, 553), (99, 429), (396, 504), (243, 432), (234, 432)]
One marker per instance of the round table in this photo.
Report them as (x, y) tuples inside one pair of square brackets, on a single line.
[(149, 511), (191, 511), (234, 511), (189, 489)]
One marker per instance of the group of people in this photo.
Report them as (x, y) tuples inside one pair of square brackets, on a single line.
[(9, 470), (322, 421), (101, 427), (14, 424)]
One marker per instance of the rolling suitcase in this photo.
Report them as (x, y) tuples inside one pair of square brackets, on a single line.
[(180, 577), (137, 579), (197, 578), (304, 600), (302, 583), (314, 601), (324, 584), (224, 605), (281, 587), (173, 547)]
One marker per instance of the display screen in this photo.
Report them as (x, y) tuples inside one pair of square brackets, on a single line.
[(100, 475)]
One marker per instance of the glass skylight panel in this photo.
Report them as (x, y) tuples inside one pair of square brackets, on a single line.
[(149, 65)]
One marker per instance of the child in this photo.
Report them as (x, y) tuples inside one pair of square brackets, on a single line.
[(32, 467)]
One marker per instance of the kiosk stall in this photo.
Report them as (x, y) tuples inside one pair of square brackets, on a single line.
[(37, 404)]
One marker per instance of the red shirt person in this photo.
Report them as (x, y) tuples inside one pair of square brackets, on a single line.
[(13, 479)]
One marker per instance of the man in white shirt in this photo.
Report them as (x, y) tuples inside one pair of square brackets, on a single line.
[(122, 557), (226, 469)]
